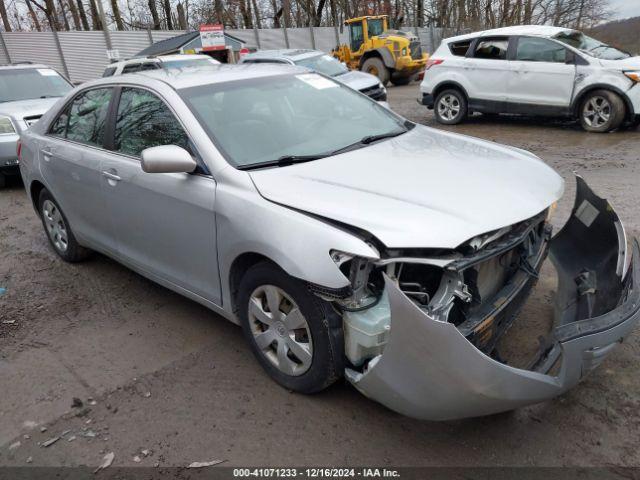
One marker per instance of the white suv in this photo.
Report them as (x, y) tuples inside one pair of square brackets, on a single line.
[(533, 70)]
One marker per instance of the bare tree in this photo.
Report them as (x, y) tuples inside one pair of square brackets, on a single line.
[(116, 15), (5, 18), (82, 14)]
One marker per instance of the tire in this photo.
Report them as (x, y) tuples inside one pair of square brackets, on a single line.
[(305, 356), (375, 66), (450, 107), (3, 180), (602, 111), (58, 230), (400, 81)]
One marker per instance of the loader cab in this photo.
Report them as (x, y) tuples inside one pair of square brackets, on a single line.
[(362, 29)]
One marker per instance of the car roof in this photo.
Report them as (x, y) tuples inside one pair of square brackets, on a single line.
[(207, 75), (159, 58), (290, 53), (25, 65), (530, 30)]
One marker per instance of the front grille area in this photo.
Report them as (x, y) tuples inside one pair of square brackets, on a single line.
[(416, 50), (30, 121), (376, 93), (500, 284)]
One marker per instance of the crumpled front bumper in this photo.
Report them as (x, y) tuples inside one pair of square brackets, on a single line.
[(429, 370)]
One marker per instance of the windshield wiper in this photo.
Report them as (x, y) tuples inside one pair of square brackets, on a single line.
[(284, 161), (287, 160)]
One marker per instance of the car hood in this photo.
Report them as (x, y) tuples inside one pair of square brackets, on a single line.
[(624, 64), (423, 189), (358, 80), (27, 108)]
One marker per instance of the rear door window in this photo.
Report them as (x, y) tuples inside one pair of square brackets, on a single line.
[(492, 48), (85, 118), (460, 49)]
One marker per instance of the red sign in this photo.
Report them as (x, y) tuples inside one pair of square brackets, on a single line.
[(212, 37)]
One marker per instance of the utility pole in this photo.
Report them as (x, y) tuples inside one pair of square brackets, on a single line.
[(105, 27)]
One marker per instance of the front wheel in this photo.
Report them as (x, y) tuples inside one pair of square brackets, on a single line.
[(294, 335), (450, 107), (602, 111), (375, 66)]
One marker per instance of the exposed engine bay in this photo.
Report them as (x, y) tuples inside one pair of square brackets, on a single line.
[(470, 287)]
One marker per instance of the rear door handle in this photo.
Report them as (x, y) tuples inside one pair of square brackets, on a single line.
[(111, 176), (46, 154)]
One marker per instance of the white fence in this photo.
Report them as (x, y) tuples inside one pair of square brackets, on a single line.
[(82, 55)]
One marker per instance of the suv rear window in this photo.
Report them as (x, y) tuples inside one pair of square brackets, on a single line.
[(492, 48), (108, 72), (460, 49)]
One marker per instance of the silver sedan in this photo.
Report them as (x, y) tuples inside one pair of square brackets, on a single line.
[(344, 239)]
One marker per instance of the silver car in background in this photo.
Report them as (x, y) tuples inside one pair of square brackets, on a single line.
[(318, 61), (344, 239), (27, 91)]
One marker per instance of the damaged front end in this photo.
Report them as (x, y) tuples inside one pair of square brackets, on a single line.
[(421, 328)]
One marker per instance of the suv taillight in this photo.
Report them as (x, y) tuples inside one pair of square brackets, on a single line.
[(19, 150), (433, 61)]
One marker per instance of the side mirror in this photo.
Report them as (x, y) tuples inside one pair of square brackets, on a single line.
[(167, 159)]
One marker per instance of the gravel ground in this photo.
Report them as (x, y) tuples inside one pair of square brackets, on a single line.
[(160, 374)]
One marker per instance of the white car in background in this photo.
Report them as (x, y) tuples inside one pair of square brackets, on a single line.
[(327, 65), (27, 91), (533, 70), (163, 62)]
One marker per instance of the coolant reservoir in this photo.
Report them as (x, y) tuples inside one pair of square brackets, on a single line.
[(366, 332)]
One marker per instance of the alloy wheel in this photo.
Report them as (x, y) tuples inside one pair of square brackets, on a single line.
[(280, 330), (449, 107), (597, 112), (56, 228)]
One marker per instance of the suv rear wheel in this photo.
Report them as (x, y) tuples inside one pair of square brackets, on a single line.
[(450, 107), (602, 111), (294, 335)]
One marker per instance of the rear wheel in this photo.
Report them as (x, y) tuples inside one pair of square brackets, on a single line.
[(375, 66), (450, 107), (602, 111), (3, 180), (58, 230), (294, 335)]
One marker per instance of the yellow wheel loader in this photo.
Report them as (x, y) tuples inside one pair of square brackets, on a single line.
[(391, 55)]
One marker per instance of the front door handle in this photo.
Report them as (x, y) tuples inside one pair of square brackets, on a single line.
[(111, 176)]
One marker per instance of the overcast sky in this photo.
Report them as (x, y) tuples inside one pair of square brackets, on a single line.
[(626, 8)]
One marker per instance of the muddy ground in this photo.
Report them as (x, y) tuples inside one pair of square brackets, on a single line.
[(157, 372)]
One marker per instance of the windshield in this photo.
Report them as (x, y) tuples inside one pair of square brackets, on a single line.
[(193, 62), (325, 64), (592, 46), (375, 27), (265, 119), (29, 83)]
